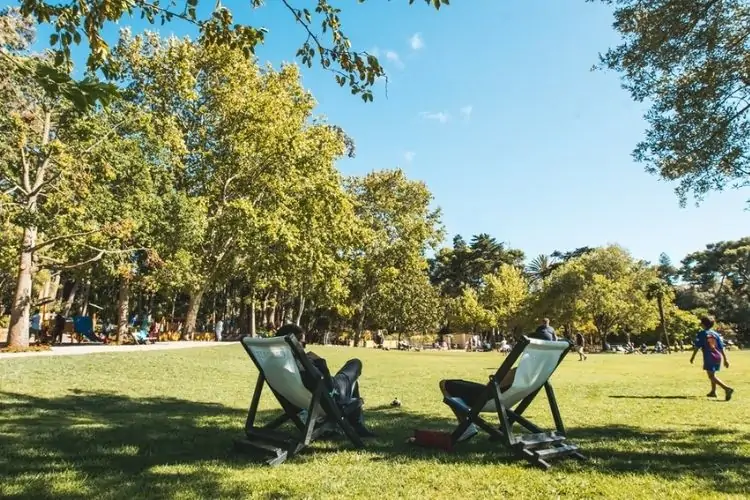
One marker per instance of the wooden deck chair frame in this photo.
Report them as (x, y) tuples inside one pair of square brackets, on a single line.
[(537, 446), (323, 415)]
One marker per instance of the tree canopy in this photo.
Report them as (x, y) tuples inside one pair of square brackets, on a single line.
[(691, 62)]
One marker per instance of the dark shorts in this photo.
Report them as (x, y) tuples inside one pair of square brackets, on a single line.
[(712, 367)]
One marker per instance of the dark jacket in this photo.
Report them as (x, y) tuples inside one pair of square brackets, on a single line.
[(544, 333)]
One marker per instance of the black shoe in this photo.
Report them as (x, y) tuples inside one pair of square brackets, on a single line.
[(729, 393), (363, 431), (711, 394)]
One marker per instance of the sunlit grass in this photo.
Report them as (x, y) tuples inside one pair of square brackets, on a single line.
[(161, 425)]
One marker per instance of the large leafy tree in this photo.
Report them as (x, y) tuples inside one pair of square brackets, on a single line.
[(606, 287), (719, 277), (452, 269), (47, 175), (504, 293), (691, 62), (249, 153), (397, 226)]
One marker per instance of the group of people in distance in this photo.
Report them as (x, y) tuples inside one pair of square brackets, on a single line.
[(342, 386)]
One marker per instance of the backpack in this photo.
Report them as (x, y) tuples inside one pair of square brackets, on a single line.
[(712, 348)]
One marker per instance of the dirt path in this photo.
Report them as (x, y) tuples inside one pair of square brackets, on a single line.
[(76, 349)]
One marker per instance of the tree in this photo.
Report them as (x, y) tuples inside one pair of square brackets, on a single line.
[(72, 23), (666, 270), (604, 286), (45, 173), (719, 279), (466, 264), (503, 294), (539, 268), (396, 227), (466, 312), (662, 293), (249, 150), (689, 60)]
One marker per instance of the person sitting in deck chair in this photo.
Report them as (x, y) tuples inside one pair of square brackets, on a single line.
[(470, 391), (343, 385)]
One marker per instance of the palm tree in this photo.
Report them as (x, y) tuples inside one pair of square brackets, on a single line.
[(540, 267)]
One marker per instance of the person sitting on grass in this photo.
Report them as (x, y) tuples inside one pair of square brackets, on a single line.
[(710, 343), (342, 385)]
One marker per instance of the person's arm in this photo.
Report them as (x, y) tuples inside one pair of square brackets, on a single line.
[(697, 346), (723, 352)]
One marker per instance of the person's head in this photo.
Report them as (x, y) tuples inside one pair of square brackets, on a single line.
[(707, 322), (291, 329), (545, 322)]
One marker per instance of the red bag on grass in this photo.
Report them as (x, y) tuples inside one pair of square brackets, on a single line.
[(432, 439)]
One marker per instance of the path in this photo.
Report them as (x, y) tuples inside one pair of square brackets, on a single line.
[(75, 349)]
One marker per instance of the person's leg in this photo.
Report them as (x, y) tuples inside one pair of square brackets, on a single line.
[(347, 389), (346, 377), (470, 393), (717, 381), (712, 380)]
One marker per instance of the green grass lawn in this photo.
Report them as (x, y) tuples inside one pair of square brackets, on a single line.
[(161, 425)]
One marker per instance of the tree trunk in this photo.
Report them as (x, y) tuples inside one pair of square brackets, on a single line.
[(301, 310), (192, 314), (54, 287), (18, 332), (174, 304), (86, 293), (71, 298), (252, 317), (662, 318), (360, 328), (123, 307)]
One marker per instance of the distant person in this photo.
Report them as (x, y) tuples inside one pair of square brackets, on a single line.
[(35, 327), (544, 331), (712, 346), (580, 346), (219, 329), (342, 386), (57, 334)]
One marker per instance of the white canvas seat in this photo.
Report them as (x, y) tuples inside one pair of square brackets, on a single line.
[(280, 368), (537, 361), (280, 362)]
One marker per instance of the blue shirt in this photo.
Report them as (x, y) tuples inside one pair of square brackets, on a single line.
[(710, 343)]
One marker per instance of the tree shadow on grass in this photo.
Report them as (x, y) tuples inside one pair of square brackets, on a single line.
[(654, 397), (110, 446)]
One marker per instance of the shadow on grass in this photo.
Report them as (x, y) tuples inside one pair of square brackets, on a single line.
[(110, 446), (654, 397)]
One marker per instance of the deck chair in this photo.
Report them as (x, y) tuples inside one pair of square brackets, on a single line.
[(538, 360), (312, 414)]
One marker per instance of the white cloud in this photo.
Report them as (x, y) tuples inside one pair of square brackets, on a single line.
[(439, 116), (394, 58), (466, 111), (416, 41), (409, 156)]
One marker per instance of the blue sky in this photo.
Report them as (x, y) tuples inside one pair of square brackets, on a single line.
[(493, 104)]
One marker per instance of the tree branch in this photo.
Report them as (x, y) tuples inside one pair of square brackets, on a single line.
[(57, 239)]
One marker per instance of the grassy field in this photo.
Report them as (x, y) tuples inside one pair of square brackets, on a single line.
[(161, 425)]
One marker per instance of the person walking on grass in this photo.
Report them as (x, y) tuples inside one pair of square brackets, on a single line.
[(712, 346), (580, 346)]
